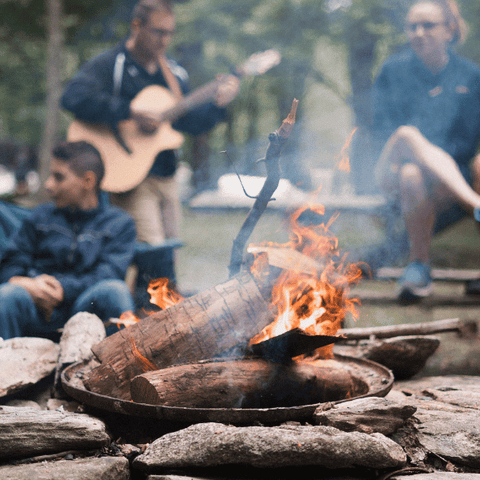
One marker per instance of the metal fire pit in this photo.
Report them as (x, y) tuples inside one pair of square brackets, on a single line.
[(375, 380)]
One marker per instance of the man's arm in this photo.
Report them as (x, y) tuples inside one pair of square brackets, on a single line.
[(89, 94)]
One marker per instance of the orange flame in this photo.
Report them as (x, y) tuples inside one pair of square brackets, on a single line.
[(144, 363), (161, 295), (343, 163), (315, 302)]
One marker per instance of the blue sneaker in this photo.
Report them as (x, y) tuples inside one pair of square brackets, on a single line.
[(416, 283)]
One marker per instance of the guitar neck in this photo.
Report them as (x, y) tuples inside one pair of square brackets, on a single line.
[(198, 97)]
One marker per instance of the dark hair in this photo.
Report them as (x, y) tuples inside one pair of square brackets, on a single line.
[(452, 18), (81, 157), (144, 8)]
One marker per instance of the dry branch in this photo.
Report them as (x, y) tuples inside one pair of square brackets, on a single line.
[(428, 328), (277, 140)]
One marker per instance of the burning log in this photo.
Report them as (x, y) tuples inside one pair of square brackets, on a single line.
[(253, 383), (198, 328)]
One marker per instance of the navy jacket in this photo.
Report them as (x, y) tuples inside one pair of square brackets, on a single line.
[(90, 97), (79, 248), (445, 107)]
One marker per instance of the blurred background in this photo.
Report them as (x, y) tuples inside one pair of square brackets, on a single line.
[(331, 52)]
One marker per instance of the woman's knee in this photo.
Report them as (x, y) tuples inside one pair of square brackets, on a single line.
[(407, 133), (411, 178)]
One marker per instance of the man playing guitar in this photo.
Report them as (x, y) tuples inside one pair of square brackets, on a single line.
[(101, 93)]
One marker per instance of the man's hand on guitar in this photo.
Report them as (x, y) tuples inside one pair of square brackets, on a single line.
[(146, 123), (227, 89)]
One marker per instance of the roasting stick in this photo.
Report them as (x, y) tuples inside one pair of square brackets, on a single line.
[(427, 328)]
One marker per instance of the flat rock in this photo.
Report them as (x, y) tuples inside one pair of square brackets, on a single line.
[(448, 417), (366, 415), (404, 355), (79, 335), (437, 476), (460, 390), (25, 361), (104, 468), (27, 432), (214, 444)]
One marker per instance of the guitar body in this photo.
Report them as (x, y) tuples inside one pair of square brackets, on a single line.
[(123, 170)]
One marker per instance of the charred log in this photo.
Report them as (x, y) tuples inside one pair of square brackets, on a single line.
[(253, 383)]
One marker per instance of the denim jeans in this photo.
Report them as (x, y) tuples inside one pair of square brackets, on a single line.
[(19, 317)]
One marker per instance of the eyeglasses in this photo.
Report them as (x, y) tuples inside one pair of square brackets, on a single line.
[(426, 26), (160, 32)]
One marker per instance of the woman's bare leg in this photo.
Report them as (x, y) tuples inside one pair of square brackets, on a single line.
[(418, 211), (408, 143)]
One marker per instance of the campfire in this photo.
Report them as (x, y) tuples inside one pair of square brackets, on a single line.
[(263, 339), (236, 346)]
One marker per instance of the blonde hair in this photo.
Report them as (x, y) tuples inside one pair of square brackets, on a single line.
[(453, 18)]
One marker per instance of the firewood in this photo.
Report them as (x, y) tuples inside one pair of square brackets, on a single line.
[(427, 328), (198, 328), (253, 383)]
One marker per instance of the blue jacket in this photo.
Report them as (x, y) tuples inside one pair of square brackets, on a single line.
[(444, 107), (89, 95), (79, 248)]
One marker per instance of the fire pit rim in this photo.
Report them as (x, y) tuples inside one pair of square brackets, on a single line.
[(222, 415)]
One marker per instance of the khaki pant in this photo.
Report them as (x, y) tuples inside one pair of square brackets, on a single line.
[(155, 207)]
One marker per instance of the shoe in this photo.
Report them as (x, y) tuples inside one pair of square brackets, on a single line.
[(416, 283), (476, 214), (472, 287)]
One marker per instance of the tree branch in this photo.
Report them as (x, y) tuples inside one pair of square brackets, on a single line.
[(277, 140)]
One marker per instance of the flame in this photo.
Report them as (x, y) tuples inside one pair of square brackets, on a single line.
[(144, 363), (161, 295), (317, 301), (343, 162)]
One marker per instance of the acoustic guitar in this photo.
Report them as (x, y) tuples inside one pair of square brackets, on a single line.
[(129, 154)]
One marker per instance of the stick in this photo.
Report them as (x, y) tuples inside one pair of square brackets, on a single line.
[(448, 325), (277, 140)]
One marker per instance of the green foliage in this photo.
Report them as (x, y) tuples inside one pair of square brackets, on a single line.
[(339, 44)]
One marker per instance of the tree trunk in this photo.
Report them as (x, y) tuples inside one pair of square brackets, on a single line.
[(361, 62), (53, 83)]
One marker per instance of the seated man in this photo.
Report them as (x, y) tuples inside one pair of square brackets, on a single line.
[(68, 256)]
